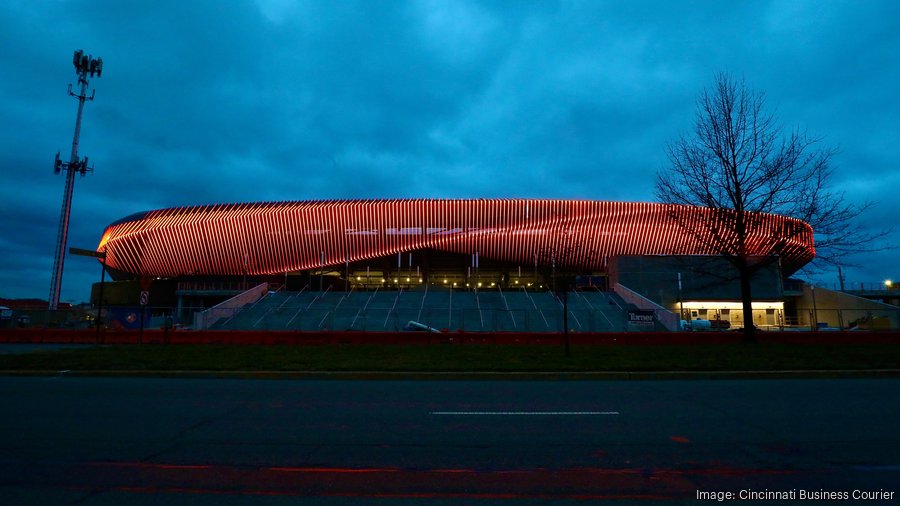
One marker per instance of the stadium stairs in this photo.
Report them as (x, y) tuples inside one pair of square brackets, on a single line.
[(438, 309)]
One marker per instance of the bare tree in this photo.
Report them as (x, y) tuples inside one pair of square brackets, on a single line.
[(559, 265), (739, 164)]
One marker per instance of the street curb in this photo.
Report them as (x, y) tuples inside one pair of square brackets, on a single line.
[(475, 375)]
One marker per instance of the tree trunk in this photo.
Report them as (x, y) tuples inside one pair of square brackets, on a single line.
[(747, 302)]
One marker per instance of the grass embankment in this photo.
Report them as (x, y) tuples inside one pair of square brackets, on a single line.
[(471, 358)]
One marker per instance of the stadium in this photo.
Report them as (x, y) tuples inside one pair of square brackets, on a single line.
[(344, 264)]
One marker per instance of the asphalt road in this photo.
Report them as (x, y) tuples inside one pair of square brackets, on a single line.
[(93, 441)]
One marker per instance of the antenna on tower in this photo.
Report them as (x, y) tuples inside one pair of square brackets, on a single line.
[(85, 65)]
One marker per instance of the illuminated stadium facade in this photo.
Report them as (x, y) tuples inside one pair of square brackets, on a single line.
[(419, 238)]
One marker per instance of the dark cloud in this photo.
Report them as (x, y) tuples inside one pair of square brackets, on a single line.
[(210, 101)]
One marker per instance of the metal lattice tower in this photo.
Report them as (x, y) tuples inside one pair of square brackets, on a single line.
[(85, 65)]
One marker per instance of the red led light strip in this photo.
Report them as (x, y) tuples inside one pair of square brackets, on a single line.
[(275, 237)]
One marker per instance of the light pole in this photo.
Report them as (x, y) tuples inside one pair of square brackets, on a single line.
[(322, 270), (246, 266), (84, 65), (690, 321), (565, 297), (812, 288)]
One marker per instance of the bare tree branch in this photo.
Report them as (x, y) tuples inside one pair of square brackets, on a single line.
[(740, 163)]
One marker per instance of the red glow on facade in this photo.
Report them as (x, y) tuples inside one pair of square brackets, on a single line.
[(277, 237)]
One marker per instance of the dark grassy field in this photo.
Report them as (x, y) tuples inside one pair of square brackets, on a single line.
[(461, 358)]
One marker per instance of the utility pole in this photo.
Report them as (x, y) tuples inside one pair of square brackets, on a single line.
[(85, 65)]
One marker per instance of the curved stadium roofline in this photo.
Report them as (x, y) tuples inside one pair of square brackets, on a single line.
[(275, 237)]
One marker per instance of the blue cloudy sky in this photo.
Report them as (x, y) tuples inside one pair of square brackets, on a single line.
[(206, 101)]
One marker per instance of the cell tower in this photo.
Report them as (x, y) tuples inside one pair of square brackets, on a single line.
[(85, 65)]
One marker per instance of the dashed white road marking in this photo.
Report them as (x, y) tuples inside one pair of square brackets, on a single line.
[(524, 413)]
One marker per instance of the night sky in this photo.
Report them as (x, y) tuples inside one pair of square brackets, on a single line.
[(238, 101)]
